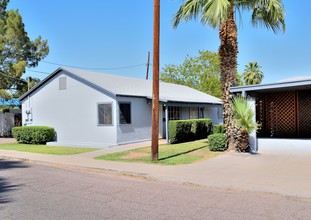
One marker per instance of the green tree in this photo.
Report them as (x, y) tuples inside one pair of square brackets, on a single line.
[(17, 51), (199, 72), (252, 74), (221, 14), (23, 85), (4, 96)]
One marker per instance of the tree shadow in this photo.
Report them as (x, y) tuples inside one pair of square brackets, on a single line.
[(181, 153), (10, 164), (5, 184)]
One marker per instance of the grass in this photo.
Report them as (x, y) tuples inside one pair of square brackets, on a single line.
[(184, 153), (44, 149)]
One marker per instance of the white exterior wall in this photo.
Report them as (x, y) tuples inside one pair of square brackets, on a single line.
[(72, 112), (215, 112), (140, 127)]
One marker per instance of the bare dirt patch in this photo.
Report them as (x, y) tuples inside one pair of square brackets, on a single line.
[(134, 155), (7, 140)]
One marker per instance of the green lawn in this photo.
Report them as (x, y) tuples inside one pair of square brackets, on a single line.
[(169, 154), (44, 149)]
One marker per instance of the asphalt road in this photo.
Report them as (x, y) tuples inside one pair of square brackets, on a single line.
[(34, 191)]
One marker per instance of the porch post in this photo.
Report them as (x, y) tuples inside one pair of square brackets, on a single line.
[(166, 123), (253, 141)]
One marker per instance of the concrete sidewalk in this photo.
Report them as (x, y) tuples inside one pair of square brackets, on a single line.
[(286, 174)]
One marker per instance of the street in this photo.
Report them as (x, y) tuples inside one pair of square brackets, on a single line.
[(36, 191)]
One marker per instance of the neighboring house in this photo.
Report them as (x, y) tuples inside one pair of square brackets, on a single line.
[(100, 110), (283, 109)]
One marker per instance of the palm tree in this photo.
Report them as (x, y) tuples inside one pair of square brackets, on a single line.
[(252, 74), (221, 14), (243, 117)]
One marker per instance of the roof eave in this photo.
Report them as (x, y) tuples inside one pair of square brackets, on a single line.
[(39, 84), (271, 86)]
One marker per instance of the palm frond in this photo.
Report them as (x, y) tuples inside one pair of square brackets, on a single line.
[(270, 14), (215, 12), (211, 12), (243, 113)]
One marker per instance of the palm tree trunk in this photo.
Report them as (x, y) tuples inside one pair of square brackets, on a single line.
[(228, 51)]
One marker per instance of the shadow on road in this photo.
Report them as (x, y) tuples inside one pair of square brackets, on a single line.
[(9, 164), (6, 185)]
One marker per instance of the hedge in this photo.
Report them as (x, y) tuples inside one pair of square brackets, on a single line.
[(189, 130), (217, 142), (219, 129), (33, 134)]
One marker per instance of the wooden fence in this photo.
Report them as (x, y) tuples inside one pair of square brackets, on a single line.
[(9, 120)]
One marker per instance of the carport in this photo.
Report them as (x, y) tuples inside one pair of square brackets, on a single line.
[(283, 110)]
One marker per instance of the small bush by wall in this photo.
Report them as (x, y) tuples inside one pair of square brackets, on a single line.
[(218, 129), (188, 130), (217, 142), (33, 134)]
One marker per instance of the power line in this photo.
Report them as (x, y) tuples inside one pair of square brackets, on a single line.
[(36, 71), (94, 68)]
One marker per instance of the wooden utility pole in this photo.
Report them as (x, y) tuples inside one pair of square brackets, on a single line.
[(155, 81), (148, 64)]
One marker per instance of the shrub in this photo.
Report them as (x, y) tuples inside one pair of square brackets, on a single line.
[(217, 142), (33, 134), (201, 127), (219, 129), (180, 131), (188, 130)]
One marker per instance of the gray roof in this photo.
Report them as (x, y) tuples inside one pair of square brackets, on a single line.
[(295, 83), (127, 86)]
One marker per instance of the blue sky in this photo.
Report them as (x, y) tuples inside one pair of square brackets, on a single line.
[(116, 34)]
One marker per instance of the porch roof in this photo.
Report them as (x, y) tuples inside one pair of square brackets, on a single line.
[(299, 83)]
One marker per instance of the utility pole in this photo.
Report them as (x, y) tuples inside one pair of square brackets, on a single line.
[(155, 81), (148, 64)]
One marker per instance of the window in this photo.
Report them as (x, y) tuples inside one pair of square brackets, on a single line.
[(201, 112), (125, 113), (174, 113), (104, 114), (220, 112), (194, 112), (62, 83)]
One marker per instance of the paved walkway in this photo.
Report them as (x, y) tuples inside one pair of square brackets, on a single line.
[(285, 173)]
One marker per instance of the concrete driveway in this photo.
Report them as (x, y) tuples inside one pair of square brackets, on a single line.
[(284, 145)]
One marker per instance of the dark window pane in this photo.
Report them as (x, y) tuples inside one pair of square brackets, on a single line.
[(125, 113), (104, 114), (174, 113)]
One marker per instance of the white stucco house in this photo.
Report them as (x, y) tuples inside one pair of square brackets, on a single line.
[(99, 110)]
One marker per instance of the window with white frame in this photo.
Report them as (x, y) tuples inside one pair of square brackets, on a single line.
[(125, 113), (104, 113)]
